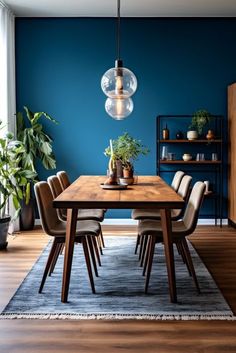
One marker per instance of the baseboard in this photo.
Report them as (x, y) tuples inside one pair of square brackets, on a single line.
[(127, 221)]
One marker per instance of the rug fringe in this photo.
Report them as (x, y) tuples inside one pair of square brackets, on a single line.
[(68, 316)]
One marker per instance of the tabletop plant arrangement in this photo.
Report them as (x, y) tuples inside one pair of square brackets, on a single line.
[(14, 181), (37, 147), (123, 152)]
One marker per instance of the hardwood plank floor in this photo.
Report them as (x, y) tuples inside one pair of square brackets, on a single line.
[(216, 246)]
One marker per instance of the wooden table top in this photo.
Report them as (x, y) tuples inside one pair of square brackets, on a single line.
[(148, 192)]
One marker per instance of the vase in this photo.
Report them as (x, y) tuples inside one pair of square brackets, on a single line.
[(27, 215), (128, 173), (179, 135), (4, 225), (210, 135)]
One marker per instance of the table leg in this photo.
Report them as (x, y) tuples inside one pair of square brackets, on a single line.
[(69, 249), (169, 253)]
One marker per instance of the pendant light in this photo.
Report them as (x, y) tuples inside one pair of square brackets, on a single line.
[(119, 84)]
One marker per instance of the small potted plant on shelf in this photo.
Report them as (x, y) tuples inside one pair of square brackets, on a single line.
[(125, 150), (38, 146), (12, 179), (200, 119)]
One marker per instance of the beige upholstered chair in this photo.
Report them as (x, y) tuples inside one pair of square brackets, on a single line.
[(177, 179), (83, 214), (180, 229), (176, 214), (56, 228), (183, 191)]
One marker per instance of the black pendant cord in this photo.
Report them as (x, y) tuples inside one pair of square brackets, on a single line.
[(118, 29)]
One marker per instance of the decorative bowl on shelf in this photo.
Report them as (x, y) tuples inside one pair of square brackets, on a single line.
[(187, 157), (192, 135)]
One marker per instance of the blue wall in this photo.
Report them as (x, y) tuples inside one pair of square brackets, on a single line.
[(181, 64)]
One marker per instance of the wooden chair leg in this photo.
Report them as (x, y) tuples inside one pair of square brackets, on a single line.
[(100, 245), (141, 247), (190, 264), (150, 261), (95, 245), (143, 250), (62, 248), (48, 264), (182, 253), (102, 239), (87, 259), (137, 244), (146, 256), (91, 250), (55, 257)]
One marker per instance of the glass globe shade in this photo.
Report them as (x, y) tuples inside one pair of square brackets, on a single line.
[(119, 108), (119, 82)]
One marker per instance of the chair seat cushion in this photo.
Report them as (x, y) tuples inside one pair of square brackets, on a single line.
[(153, 227), (93, 214), (151, 213), (86, 227)]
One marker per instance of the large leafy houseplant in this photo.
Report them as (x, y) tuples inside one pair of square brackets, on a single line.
[(14, 180), (37, 147), (126, 149), (38, 144)]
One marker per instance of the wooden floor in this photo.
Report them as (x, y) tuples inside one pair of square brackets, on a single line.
[(216, 246)]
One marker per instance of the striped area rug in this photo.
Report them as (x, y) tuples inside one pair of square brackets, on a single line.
[(119, 289)]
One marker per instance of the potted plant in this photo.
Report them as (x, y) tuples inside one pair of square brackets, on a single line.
[(199, 120), (126, 150), (13, 179), (38, 146)]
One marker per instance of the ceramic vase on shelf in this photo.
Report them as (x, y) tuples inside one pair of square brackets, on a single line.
[(165, 133), (179, 135), (192, 135), (210, 135)]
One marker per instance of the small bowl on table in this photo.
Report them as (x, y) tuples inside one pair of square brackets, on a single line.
[(127, 180)]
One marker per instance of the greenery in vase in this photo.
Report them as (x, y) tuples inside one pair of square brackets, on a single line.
[(126, 149), (13, 178), (200, 119), (37, 144)]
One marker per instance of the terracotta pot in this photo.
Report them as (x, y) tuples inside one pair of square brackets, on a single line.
[(128, 173), (210, 135)]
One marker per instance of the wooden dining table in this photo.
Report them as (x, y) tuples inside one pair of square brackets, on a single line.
[(147, 192)]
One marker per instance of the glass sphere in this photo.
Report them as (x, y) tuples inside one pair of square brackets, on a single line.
[(119, 108), (119, 82)]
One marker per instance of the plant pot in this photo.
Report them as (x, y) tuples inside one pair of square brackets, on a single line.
[(192, 135), (4, 225), (27, 215), (128, 173)]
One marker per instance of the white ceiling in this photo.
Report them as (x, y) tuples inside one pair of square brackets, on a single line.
[(129, 8)]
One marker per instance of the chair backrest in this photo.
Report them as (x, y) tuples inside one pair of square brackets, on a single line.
[(184, 186), (48, 214), (191, 213), (183, 191), (177, 179), (64, 179), (56, 190), (55, 185)]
